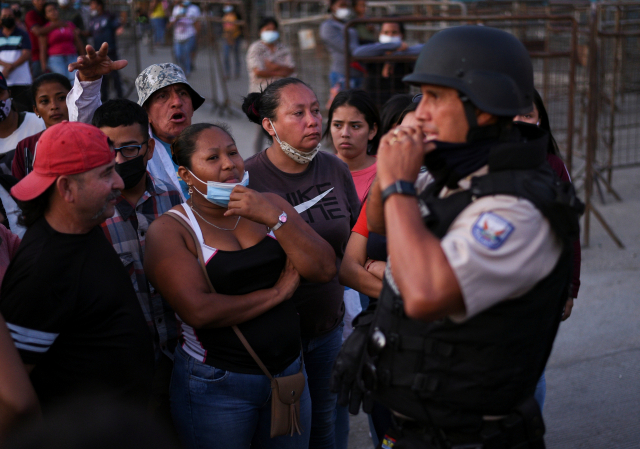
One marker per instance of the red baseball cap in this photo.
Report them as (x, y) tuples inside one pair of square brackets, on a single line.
[(67, 148)]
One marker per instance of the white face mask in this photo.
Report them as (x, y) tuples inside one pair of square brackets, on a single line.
[(269, 36), (63, 3), (296, 155), (384, 39), (343, 14), (94, 12), (219, 192)]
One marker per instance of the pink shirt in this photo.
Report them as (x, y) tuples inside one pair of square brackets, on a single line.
[(363, 179), (8, 249), (61, 41)]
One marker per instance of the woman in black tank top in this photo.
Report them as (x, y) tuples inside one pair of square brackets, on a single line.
[(255, 247)]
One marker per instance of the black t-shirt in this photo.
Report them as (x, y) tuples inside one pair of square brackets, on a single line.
[(73, 313), (321, 306)]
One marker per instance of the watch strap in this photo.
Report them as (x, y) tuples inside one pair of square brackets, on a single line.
[(280, 221), (400, 187)]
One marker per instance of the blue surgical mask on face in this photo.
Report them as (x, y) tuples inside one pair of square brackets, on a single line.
[(219, 192)]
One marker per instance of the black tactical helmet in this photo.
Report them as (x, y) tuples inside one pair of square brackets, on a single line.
[(487, 65)]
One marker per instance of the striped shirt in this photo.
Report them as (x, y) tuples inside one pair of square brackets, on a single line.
[(126, 231)]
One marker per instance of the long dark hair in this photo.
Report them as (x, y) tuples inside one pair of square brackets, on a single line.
[(48, 78), (392, 110), (185, 144), (552, 148), (263, 104), (363, 102)]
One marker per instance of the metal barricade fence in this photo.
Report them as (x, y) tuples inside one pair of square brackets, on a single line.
[(552, 50), (585, 56)]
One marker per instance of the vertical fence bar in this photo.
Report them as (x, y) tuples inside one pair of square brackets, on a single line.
[(592, 120), (614, 87), (572, 90)]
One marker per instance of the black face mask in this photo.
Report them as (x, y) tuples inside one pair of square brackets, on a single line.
[(131, 171), (450, 162), (8, 22)]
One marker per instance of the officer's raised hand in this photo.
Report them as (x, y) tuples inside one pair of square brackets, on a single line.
[(96, 64), (400, 155)]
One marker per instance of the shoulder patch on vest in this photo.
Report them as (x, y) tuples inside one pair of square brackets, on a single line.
[(491, 230)]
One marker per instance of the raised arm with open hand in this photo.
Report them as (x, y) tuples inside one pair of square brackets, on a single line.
[(96, 64)]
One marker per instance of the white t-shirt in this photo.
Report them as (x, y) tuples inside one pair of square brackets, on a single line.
[(184, 27), (31, 125)]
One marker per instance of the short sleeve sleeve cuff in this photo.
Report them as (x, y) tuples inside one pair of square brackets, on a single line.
[(499, 248)]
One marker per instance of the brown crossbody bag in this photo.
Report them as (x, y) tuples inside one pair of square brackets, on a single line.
[(285, 391)]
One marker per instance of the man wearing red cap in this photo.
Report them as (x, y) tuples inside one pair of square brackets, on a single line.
[(68, 302)]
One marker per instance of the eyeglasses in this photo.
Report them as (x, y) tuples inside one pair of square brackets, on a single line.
[(130, 151), (416, 98)]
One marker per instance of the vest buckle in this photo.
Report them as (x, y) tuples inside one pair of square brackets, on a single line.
[(424, 384)]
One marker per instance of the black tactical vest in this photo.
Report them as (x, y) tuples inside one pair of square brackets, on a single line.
[(451, 375)]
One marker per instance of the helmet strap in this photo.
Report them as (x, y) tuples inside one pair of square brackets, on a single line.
[(470, 113)]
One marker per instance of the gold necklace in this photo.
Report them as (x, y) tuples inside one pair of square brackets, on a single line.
[(208, 222)]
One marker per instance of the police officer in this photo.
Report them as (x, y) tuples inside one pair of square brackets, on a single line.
[(479, 262)]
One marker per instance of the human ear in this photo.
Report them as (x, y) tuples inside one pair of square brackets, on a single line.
[(373, 131), (267, 126)]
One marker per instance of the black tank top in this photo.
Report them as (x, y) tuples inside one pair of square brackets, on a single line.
[(274, 335)]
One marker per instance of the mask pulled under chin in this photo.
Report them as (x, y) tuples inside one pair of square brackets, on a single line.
[(5, 109), (132, 171), (296, 155), (219, 193), (450, 162)]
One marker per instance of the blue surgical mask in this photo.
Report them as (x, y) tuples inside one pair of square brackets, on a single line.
[(269, 36), (219, 192), (227, 9)]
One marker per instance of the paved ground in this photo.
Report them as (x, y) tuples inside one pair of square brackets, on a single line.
[(593, 376)]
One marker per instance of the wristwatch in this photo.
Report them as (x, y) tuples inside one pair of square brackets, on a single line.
[(401, 187), (282, 219)]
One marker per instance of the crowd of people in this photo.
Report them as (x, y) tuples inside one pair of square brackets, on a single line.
[(410, 268)]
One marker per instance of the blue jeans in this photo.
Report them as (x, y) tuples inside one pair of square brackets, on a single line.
[(337, 78), (216, 409), (228, 48), (541, 391), (158, 26), (183, 51), (319, 355), (60, 63)]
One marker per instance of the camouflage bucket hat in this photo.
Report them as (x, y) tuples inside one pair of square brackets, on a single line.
[(157, 76)]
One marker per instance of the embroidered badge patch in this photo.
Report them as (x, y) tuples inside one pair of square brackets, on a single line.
[(491, 230)]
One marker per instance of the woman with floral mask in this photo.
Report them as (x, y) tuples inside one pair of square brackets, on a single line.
[(332, 34), (385, 79), (321, 188), (255, 248), (268, 59)]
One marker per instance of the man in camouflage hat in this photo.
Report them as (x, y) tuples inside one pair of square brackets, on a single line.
[(164, 92)]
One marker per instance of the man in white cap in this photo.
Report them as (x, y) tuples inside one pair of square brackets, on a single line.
[(164, 92)]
